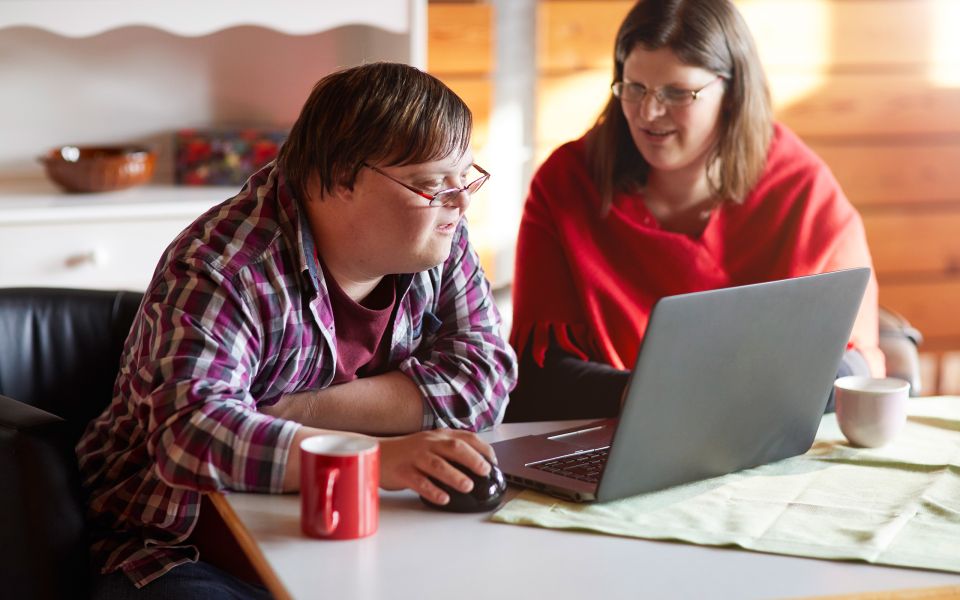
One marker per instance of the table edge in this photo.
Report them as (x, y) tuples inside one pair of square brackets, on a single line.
[(249, 547)]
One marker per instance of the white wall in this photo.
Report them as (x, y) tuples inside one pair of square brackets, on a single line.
[(139, 84)]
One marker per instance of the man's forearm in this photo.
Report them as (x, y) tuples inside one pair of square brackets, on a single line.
[(384, 404)]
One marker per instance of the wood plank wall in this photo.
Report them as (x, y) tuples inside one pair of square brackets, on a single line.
[(872, 85), (460, 52)]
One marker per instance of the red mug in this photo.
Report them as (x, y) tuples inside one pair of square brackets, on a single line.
[(339, 486)]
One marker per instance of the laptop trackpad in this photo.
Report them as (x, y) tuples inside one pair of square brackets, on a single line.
[(590, 436)]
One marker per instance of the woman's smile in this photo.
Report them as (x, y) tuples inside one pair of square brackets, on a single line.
[(657, 135)]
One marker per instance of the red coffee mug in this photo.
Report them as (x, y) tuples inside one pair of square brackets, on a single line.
[(339, 481)]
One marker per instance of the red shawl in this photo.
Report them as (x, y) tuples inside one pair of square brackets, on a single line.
[(592, 281)]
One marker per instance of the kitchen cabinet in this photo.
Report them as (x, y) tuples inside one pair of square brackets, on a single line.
[(110, 240), (120, 71)]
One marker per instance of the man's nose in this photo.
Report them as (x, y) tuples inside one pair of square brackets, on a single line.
[(460, 200)]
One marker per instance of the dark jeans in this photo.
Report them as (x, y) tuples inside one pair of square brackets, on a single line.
[(190, 580)]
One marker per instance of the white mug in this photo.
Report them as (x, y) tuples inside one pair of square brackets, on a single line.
[(871, 411)]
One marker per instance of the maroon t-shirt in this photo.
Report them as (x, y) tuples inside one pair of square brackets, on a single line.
[(363, 329)]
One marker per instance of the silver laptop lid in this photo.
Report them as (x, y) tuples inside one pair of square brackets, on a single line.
[(730, 379)]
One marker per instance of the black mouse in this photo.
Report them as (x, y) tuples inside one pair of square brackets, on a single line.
[(486, 495)]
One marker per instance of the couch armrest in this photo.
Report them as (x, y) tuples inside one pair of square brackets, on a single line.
[(21, 416), (42, 506)]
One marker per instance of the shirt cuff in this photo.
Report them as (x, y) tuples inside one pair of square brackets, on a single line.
[(429, 419), (284, 443)]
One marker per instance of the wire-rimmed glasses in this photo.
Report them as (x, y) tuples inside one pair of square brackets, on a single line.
[(443, 197), (666, 96)]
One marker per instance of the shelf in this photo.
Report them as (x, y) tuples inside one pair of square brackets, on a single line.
[(27, 202), (112, 87), (81, 18)]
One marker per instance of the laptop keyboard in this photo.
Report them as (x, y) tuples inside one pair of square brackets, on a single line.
[(585, 466)]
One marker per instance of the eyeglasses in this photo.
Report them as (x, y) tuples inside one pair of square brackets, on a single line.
[(443, 197), (666, 96)]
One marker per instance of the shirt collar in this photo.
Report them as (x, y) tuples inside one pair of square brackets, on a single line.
[(296, 227)]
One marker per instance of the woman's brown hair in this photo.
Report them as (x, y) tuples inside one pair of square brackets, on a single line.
[(386, 113), (709, 34)]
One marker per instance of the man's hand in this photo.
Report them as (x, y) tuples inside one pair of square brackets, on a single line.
[(406, 462)]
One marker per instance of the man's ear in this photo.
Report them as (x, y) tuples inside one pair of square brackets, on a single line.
[(342, 191), (316, 192), (314, 189)]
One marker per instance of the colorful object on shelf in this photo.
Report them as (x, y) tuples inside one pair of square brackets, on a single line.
[(98, 168), (224, 156)]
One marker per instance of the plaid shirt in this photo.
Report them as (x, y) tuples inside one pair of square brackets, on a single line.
[(236, 316)]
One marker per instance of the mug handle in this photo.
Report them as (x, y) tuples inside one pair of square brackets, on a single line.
[(329, 518)]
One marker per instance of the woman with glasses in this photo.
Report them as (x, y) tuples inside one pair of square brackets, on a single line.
[(337, 291), (683, 184)]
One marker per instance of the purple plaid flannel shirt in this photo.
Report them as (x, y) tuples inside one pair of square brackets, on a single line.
[(236, 316)]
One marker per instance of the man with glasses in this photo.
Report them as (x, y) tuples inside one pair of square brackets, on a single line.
[(337, 291)]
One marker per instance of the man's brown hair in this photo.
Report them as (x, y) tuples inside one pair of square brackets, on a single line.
[(381, 113)]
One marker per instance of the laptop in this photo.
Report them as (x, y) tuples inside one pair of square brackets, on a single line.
[(725, 380)]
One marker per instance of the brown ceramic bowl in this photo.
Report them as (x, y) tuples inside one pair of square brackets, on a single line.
[(99, 168)]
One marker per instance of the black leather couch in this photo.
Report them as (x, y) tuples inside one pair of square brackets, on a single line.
[(59, 356)]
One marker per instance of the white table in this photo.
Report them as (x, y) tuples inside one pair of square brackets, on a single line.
[(422, 553)]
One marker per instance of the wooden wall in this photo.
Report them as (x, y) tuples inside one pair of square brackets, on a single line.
[(872, 85), (460, 53)]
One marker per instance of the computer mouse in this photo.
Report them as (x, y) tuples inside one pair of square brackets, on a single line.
[(486, 495)]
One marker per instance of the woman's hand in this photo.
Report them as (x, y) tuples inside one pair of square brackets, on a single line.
[(407, 461)]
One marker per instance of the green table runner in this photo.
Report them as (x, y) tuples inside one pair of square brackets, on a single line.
[(895, 505)]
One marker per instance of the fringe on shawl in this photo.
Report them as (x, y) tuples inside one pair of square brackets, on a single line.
[(572, 339)]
